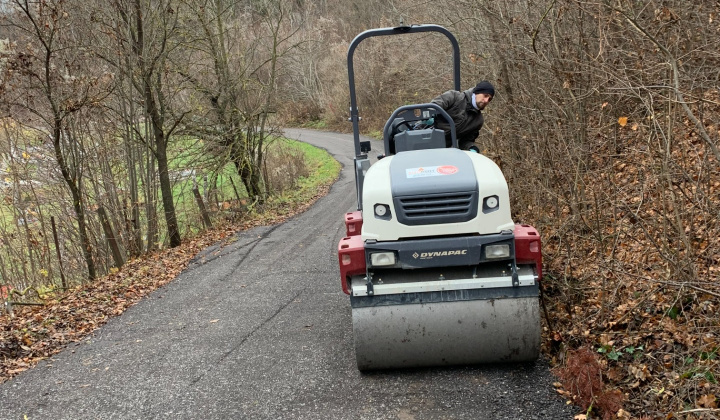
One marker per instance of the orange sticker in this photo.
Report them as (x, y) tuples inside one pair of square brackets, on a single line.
[(447, 169)]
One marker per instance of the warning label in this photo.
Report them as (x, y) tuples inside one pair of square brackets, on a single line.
[(430, 171)]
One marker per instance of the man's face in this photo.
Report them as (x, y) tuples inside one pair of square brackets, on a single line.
[(482, 99)]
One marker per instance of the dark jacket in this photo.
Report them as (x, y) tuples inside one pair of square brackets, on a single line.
[(468, 120)]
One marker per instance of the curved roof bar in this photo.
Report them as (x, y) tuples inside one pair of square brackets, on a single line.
[(354, 113)]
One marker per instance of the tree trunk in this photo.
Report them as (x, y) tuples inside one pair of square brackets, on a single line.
[(57, 252), (78, 204), (151, 95), (166, 191)]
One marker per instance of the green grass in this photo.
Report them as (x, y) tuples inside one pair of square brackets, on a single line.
[(324, 167), (324, 170), (316, 124), (375, 134)]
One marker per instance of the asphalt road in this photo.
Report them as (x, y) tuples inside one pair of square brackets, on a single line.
[(260, 329)]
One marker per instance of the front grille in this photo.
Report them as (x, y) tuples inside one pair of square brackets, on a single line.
[(436, 208)]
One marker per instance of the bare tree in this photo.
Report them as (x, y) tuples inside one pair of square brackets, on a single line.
[(236, 80), (50, 90), (147, 34)]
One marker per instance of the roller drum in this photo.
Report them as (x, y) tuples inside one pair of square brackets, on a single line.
[(447, 333)]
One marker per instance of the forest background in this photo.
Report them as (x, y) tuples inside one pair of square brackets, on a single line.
[(129, 126)]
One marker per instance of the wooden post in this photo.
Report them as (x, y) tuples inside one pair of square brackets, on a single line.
[(57, 251), (110, 235), (201, 205)]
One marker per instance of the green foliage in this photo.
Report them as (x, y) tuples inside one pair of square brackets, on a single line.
[(636, 352), (614, 354), (698, 368), (711, 355), (609, 352), (673, 312)]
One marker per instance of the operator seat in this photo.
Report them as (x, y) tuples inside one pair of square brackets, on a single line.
[(404, 137)]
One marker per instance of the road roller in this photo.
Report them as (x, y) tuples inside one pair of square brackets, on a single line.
[(436, 270)]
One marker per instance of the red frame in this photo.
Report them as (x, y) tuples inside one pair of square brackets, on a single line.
[(353, 223), (528, 249), (351, 257)]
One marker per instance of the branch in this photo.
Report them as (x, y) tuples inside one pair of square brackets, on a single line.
[(700, 410), (177, 122), (668, 283), (676, 82), (13, 303), (686, 284), (537, 29)]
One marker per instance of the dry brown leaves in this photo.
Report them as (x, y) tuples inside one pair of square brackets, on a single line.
[(639, 298), (36, 333)]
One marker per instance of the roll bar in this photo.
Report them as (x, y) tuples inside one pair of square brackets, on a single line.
[(354, 113)]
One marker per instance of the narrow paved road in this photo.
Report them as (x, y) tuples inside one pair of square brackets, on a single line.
[(261, 330)]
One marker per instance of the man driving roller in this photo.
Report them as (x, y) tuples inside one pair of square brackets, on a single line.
[(465, 108)]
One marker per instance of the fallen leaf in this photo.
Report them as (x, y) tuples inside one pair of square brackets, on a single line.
[(640, 372), (622, 121), (615, 374), (707, 401), (622, 414)]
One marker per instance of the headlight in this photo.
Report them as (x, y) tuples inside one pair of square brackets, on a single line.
[(379, 259), (380, 210), (493, 252), (490, 204)]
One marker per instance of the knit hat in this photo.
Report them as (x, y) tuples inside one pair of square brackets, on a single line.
[(484, 87)]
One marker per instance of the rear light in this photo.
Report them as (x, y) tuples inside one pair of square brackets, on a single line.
[(534, 246)]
